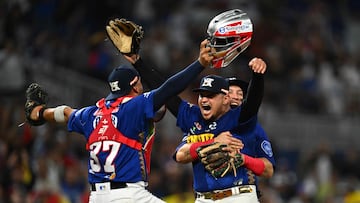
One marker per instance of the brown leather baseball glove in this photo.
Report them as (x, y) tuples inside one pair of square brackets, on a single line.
[(125, 35)]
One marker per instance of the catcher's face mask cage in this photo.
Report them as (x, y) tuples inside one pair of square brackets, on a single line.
[(229, 34)]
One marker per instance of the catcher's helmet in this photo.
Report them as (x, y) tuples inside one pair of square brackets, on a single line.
[(230, 34)]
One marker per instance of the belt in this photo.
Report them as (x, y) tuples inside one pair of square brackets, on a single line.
[(113, 185), (221, 194)]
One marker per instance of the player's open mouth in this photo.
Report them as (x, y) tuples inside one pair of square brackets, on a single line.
[(206, 107), (234, 104)]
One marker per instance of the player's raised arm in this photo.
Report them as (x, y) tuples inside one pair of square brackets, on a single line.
[(151, 76), (153, 79), (255, 92), (36, 111)]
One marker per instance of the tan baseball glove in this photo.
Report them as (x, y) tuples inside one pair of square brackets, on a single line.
[(125, 35)]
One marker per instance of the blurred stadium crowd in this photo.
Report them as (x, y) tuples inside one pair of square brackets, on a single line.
[(312, 49)]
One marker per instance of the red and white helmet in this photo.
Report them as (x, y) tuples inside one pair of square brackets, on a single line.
[(230, 34)]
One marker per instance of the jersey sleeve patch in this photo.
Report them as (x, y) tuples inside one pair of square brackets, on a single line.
[(266, 147)]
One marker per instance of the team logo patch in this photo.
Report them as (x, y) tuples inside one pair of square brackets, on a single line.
[(266, 147), (114, 86), (97, 119), (197, 125), (207, 82), (222, 30)]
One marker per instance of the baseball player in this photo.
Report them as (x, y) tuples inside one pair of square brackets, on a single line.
[(119, 130), (219, 124), (213, 115), (203, 123), (237, 91)]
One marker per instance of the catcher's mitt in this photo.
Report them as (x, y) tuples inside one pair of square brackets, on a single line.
[(125, 35), (218, 161), (35, 96)]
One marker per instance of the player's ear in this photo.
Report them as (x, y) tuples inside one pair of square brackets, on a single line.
[(226, 99), (136, 89)]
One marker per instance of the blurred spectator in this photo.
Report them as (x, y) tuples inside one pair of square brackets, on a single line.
[(12, 71), (284, 180), (73, 184)]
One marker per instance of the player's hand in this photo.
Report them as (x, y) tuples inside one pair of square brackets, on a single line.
[(227, 138), (34, 115), (205, 57), (258, 65)]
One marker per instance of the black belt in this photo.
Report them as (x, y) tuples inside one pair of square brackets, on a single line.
[(216, 195), (113, 185)]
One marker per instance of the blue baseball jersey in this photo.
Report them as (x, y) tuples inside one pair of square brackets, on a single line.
[(196, 129), (109, 159), (256, 144)]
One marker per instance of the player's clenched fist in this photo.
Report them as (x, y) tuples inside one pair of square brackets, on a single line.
[(258, 65)]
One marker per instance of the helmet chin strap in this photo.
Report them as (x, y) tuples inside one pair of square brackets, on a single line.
[(219, 54)]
